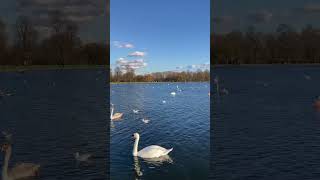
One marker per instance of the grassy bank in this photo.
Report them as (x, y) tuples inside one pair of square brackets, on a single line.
[(49, 67), (165, 82)]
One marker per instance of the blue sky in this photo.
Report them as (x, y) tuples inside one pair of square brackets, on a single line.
[(229, 15), (166, 33)]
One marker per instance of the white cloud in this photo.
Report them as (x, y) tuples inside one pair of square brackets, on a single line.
[(119, 44), (137, 54), (131, 64)]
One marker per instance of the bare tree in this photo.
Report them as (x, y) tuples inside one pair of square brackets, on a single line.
[(3, 42), (64, 38), (3, 35), (27, 38)]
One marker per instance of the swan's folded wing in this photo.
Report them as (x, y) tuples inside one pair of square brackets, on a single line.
[(24, 170), (152, 151)]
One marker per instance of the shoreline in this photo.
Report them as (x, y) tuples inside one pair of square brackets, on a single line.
[(48, 67), (163, 82)]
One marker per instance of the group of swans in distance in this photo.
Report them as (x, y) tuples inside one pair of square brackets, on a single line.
[(153, 154)]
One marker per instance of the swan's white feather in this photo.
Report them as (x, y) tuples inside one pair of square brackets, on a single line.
[(83, 157), (153, 151)]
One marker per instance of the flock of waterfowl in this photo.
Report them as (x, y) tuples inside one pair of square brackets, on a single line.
[(152, 152)]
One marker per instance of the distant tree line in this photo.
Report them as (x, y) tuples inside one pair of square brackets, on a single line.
[(187, 76), (285, 45), (61, 46)]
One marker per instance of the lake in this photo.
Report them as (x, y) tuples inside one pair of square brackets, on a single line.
[(266, 127), (182, 122), (54, 113)]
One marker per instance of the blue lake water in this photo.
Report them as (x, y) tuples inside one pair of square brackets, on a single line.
[(53, 114), (266, 128), (183, 122)]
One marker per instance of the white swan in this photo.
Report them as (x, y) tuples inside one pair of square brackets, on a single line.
[(152, 151), (115, 116), (22, 170), (82, 157), (216, 82), (307, 77), (146, 121), (225, 91), (135, 111), (178, 89)]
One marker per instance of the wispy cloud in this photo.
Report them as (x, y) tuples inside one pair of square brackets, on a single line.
[(119, 44), (125, 64), (260, 17), (137, 54), (194, 67)]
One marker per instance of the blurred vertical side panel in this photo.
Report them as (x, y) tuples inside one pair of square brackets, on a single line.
[(54, 88)]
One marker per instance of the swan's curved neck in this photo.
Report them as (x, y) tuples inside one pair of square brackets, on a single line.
[(135, 147), (111, 114), (6, 163)]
